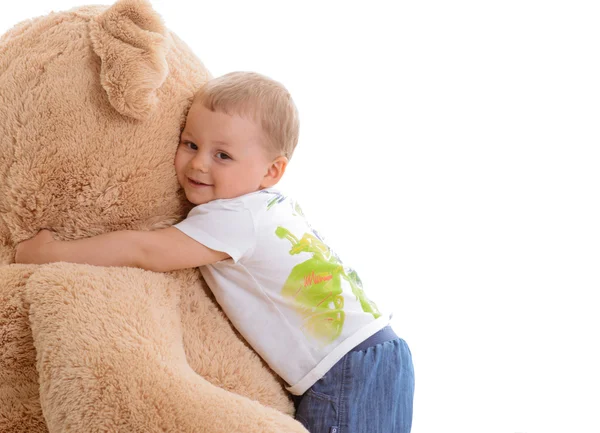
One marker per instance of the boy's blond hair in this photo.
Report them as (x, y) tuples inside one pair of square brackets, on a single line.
[(266, 101)]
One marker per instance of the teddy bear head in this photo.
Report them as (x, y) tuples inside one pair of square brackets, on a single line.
[(92, 103)]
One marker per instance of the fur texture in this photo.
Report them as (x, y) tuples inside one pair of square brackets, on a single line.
[(92, 102)]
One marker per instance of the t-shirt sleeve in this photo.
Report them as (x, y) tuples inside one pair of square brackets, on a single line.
[(222, 227)]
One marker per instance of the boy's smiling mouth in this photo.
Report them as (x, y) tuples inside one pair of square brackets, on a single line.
[(197, 183)]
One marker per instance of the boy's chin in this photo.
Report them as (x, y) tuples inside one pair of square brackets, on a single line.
[(195, 200)]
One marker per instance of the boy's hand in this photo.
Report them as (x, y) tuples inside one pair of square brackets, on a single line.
[(29, 251)]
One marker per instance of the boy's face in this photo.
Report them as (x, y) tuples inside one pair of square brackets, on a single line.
[(222, 156)]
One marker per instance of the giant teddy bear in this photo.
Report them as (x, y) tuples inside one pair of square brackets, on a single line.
[(92, 102)]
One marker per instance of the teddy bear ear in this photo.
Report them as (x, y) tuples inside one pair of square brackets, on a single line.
[(129, 37)]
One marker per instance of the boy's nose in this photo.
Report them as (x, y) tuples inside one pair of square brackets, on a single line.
[(200, 163)]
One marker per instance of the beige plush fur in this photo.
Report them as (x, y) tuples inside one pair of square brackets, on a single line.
[(92, 102)]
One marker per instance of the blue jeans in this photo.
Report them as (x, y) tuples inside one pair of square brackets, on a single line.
[(369, 390)]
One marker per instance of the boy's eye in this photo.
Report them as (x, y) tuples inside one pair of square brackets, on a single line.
[(222, 155), (191, 145)]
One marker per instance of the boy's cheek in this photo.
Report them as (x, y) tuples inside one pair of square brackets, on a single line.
[(177, 161)]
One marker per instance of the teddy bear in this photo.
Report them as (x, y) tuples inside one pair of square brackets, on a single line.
[(92, 103)]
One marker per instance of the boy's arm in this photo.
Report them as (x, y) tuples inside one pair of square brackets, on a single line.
[(160, 250)]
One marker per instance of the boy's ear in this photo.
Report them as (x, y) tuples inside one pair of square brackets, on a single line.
[(275, 171)]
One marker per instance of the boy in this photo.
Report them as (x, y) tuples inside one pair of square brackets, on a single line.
[(285, 291)]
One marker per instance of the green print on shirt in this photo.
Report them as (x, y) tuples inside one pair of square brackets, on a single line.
[(296, 210), (316, 287)]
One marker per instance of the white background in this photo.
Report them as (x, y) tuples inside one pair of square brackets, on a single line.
[(449, 153)]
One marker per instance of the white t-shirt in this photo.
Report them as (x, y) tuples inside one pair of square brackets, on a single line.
[(283, 289)]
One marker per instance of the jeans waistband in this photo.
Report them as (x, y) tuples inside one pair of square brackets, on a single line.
[(381, 336)]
